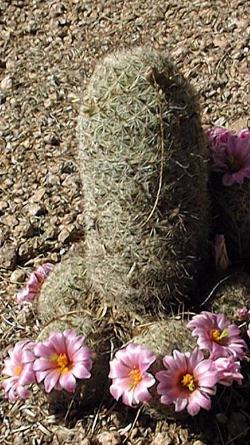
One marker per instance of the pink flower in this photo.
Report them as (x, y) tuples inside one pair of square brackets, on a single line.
[(231, 154), (228, 370), (188, 382), (61, 360), (128, 371), (244, 134), (34, 283), (217, 335), (220, 252), (218, 136), (19, 369), (243, 313)]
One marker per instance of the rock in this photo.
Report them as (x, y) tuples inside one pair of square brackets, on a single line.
[(2, 98), (10, 221), (52, 139), (80, 441), (6, 83), (66, 234), (162, 439), (52, 179), (4, 234), (3, 205), (24, 230), (18, 276), (50, 233), (25, 251), (36, 209), (38, 195), (64, 434), (109, 438), (8, 254), (32, 27)]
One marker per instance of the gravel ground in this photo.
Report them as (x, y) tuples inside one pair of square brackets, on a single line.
[(47, 52)]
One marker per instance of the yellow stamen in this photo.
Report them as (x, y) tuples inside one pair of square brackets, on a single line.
[(62, 362), (219, 336), (188, 381), (136, 377), (18, 370)]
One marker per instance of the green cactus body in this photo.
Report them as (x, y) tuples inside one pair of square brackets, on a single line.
[(233, 295), (66, 302), (143, 162), (162, 337)]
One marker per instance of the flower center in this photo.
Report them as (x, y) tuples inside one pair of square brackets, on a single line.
[(18, 370), (136, 377), (188, 381), (234, 164), (62, 361), (219, 336)]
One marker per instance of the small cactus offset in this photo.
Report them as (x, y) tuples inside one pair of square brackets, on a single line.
[(143, 162), (233, 298), (66, 302), (162, 338)]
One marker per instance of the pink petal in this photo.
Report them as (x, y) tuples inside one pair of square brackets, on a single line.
[(202, 367), (195, 358), (12, 396), (9, 383), (209, 379), (81, 372), (28, 356), (68, 382), (146, 358), (193, 407), (22, 392), (40, 375), (58, 342), (141, 394), (43, 364), (27, 377), (118, 369), (129, 355), (148, 380), (180, 360), (51, 380), (44, 350), (116, 390), (170, 394), (81, 354), (9, 368), (119, 386), (238, 177), (33, 282), (180, 404), (201, 399), (74, 344), (128, 398), (23, 295)]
